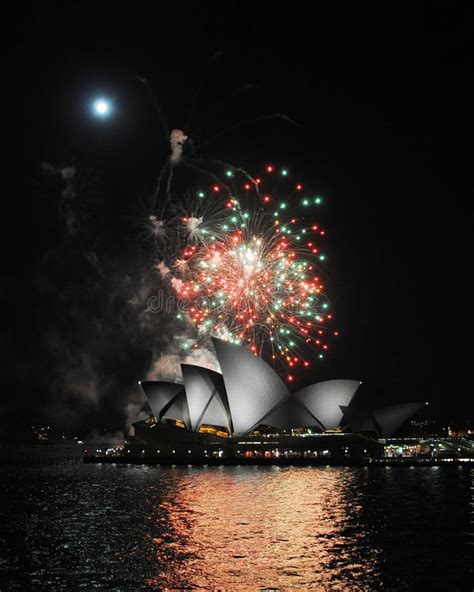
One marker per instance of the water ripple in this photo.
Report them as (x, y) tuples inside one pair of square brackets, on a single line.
[(69, 526)]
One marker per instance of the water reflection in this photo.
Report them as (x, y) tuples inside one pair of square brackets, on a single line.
[(250, 528), (69, 526)]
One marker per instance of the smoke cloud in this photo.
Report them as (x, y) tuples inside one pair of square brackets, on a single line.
[(177, 140), (106, 311), (103, 337)]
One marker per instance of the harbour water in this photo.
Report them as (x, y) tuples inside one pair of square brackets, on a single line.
[(70, 526)]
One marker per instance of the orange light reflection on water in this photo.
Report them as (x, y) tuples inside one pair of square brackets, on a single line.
[(244, 528)]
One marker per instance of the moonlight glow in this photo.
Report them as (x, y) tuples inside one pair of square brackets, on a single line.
[(101, 107)]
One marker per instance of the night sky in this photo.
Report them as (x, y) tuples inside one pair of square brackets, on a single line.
[(383, 103)]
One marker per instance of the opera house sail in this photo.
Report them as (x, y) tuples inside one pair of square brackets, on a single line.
[(249, 411)]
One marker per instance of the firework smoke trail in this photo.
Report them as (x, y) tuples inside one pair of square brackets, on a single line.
[(78, 194), (252, 276), (155, 225)]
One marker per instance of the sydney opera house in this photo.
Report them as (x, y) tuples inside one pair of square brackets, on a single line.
[(247, 412)]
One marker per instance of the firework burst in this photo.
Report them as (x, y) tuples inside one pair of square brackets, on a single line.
[(253, 277)]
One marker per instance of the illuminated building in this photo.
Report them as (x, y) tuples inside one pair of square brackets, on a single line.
[(248, 412)]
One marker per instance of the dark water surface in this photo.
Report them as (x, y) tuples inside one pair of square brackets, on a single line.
[(69, 526)]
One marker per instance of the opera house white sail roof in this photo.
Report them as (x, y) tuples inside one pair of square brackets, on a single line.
[(207, 402), (250, 393), (160, 394), (253, 387), (323, 399)]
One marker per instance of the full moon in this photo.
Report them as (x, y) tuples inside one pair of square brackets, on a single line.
[(101, 107)]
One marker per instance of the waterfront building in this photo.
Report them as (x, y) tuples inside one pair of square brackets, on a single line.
[(248, 412)]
